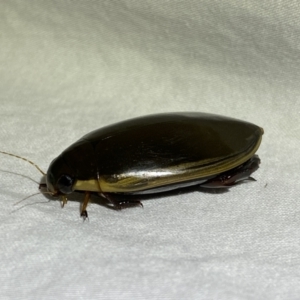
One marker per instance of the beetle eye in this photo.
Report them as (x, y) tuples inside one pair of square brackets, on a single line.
[(65, 184)]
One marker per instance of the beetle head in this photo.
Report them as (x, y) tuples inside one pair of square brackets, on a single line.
[(60, 177)]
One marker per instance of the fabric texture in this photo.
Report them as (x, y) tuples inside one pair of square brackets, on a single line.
[(69, 67)]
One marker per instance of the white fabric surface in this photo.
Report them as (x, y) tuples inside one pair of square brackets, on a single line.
[(68, 67)]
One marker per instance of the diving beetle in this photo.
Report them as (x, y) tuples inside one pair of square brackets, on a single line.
[(156, 153)]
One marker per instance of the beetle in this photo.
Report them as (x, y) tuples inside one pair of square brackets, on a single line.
[(156, 153)]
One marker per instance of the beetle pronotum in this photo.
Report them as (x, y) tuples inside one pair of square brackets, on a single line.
[(156, 153)]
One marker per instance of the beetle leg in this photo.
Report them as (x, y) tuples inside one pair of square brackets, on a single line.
[(86, 200), (121, 203), (64, 200), (235, 175)]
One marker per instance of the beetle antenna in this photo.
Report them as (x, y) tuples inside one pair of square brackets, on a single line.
[(25, 159), (32, 196), (28, 204)]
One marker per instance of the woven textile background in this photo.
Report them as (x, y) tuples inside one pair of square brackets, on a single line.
[(68, 67)]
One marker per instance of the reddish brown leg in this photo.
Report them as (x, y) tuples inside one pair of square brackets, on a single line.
[(120, 202), (235, 175), (85, 203)]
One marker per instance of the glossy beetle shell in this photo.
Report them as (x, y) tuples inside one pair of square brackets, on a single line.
[(154, 153)]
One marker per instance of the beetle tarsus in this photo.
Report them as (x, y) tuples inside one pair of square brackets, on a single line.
[(84, 215)]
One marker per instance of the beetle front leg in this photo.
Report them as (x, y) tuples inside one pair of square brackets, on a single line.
[(64, 200)]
